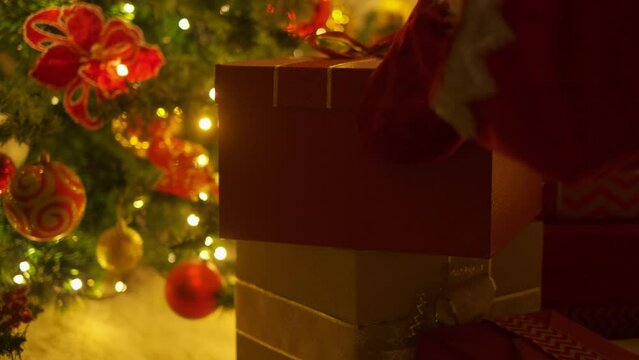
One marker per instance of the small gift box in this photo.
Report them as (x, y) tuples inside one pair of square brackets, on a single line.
[(309, 302), (294, 171), (539, 336), (590, 274), (614, 197)]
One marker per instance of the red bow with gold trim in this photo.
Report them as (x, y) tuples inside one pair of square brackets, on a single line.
[(81, 51)]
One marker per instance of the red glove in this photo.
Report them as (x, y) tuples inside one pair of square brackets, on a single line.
[(395, 119)]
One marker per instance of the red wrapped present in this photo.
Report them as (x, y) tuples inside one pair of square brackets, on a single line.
[(540, 336), (590, 274), (613, 197), (294, 171)]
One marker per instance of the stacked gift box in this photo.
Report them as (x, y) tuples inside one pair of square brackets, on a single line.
[(341, 256), (590, 267)]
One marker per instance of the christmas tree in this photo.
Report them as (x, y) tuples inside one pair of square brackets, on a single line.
[(140, 135)]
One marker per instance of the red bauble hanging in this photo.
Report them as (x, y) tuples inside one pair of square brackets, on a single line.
[(191, 289), (7, 168), (45, 200), (187, 169), (321, 13)]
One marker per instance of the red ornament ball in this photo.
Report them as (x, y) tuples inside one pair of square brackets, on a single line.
[(191, 289), (7, 168), (45, 200)]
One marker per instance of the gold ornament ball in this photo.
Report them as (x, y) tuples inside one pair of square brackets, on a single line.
[(119, 249)]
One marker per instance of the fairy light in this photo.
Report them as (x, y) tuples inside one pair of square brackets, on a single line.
[(161, 112), (74, 272), (208, 241), (138, 204), (90, 283), (120, 287), (205, 123), (320, 31), (212, 94), (184, 24), (224, 9), (19, 279), (122, 70), (220, 253), (203, 196), (202, 160), (24, 266), (55, 100), (193, 220), (205, 255), (76, 284), (128, 8), (171, 258)]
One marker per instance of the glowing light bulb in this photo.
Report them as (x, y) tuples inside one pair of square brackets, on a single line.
[(120, 287), (212, 93), (19, 279), (220, 253), (161, 112), (138, 204), (76, 284), (203, 196), (122, 70), (24, 266), (320, 31), (55, 100), (202, 160), (224, 9), (184, 24), (193, 220), (205, 255), (128, 8), (171, 258), (205, 123), (208, 241)]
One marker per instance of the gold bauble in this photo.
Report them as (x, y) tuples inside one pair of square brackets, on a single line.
[(119, 249)]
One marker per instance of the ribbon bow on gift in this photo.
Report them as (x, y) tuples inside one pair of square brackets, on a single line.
[(81, 52)]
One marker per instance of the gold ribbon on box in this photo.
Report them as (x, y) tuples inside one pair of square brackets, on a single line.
[(296, 331)]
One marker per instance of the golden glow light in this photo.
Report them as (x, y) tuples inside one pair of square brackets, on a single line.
[(76, 284), (90, 283), (24, 266), (184, 24), (208, 241), (128, 8), (220, 253), (171, 258), (205, 123), (320, 31), (120, 287), (225, 9), (203, 196), (138, 204), (212, 94), (161, 112), (122, 70), (193, 220), (202, 160), (205, 255), (19, 279), (55, 100)]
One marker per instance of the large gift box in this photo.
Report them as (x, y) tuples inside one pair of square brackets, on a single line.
[(309, 302), (610, 198), (294, 171), (539, 336), (590, 273)]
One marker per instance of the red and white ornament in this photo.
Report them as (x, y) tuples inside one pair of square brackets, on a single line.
[(192, 287), (45, 200)]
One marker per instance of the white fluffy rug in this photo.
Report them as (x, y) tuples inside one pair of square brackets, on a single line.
[(137, 325)]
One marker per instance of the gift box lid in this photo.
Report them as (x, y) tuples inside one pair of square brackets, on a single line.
[(293, 170)]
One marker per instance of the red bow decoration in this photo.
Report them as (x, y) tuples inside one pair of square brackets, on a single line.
[(80, 51)]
